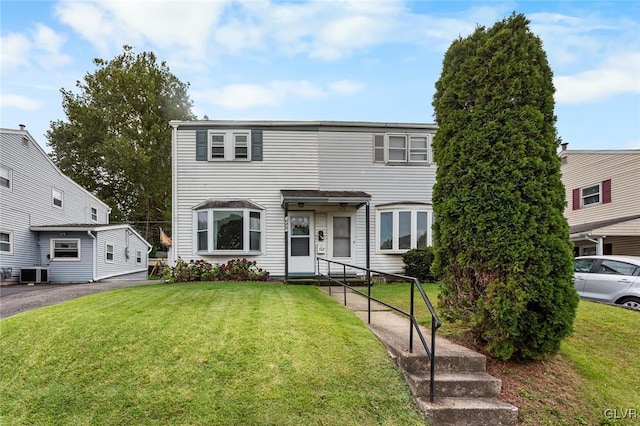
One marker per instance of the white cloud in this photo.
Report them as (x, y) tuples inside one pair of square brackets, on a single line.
[(8, 100), (109, 24), (14, 51), (618, 75), (246, 96), (345, 87), (41, 45)]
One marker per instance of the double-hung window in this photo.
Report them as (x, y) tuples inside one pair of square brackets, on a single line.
[(109, 253), (94, 214), (56, 197), (590, 194), (6, 175), (231, 145), (402, 149), (401, 228), (138, 257), (217, 146), (65, 249), (228, 230), (6, 242)]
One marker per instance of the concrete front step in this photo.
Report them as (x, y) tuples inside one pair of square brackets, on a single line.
[(459, 361), (469, 412), (476, 385)]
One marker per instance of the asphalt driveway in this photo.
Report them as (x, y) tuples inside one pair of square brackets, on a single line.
[(18, 298)]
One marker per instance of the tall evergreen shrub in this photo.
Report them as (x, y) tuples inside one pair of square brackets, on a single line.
[(502, 243)]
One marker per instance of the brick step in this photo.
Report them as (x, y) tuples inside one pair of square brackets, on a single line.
[(469, 412), (476, 385)]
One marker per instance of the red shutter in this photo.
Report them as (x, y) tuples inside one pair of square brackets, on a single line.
[(606, 191), (576, 199)]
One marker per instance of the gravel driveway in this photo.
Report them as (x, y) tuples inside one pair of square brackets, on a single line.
[(18, 298)]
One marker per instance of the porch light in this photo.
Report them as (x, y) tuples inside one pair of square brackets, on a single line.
[(301, 205)]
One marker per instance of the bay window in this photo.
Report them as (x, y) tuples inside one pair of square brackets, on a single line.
[(228, 230), (401, 228)]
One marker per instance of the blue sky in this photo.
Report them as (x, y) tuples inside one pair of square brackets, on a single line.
[(320, 60)]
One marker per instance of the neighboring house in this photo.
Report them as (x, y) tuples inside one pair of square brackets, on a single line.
[(286, 193), (603, 201), (51, 229)]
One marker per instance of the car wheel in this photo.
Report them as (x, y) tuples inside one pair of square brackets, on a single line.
[(631, 302)]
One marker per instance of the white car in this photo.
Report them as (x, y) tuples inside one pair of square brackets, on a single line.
[(609, 279)]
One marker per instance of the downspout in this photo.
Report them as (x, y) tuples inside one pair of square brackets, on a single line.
[(95, 255), (286, 242), (174, 193)]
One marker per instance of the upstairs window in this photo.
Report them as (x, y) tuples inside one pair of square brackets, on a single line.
[(590, 195), (217, 146), (6, 175), (94, 214), (138, 257), (402, 149), (227, 146), (403, 228), (56, 197)]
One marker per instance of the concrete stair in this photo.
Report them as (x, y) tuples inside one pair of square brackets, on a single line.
[(464, 393)]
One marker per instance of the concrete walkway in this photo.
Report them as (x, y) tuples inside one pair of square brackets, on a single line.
[(18, 298)]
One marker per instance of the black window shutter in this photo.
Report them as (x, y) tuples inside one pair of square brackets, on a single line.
[(256, 145), (201, 145)]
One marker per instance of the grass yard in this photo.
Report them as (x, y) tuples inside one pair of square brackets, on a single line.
[(594, 380), (198, 354)]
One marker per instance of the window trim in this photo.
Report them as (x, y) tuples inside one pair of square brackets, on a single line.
[(138, 257), (53, 198), (228, 145), (409, 137), (599, 194), (396, 211), (65, 259), (9, 179), (10, 242), (246, 231), (93, 217), (107, 253)]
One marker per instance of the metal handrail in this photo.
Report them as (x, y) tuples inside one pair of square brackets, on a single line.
[(415, 283)]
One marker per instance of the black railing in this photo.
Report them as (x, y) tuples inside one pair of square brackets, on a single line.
[(415, 283)]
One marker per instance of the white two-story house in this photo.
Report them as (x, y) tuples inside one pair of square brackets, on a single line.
[(286, 193), (53, 230), (603, 200)]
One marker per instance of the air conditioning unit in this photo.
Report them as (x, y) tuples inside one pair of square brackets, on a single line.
[(37, 274)]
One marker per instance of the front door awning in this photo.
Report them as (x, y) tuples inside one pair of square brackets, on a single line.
[(314, 196)]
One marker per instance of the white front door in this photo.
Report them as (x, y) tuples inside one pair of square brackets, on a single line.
[(301, 243), (342, 237)]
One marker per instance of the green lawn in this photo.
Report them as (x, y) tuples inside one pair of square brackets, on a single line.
[(201, 354)]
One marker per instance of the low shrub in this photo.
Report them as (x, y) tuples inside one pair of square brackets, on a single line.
[(201, 270), (418, 264)]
